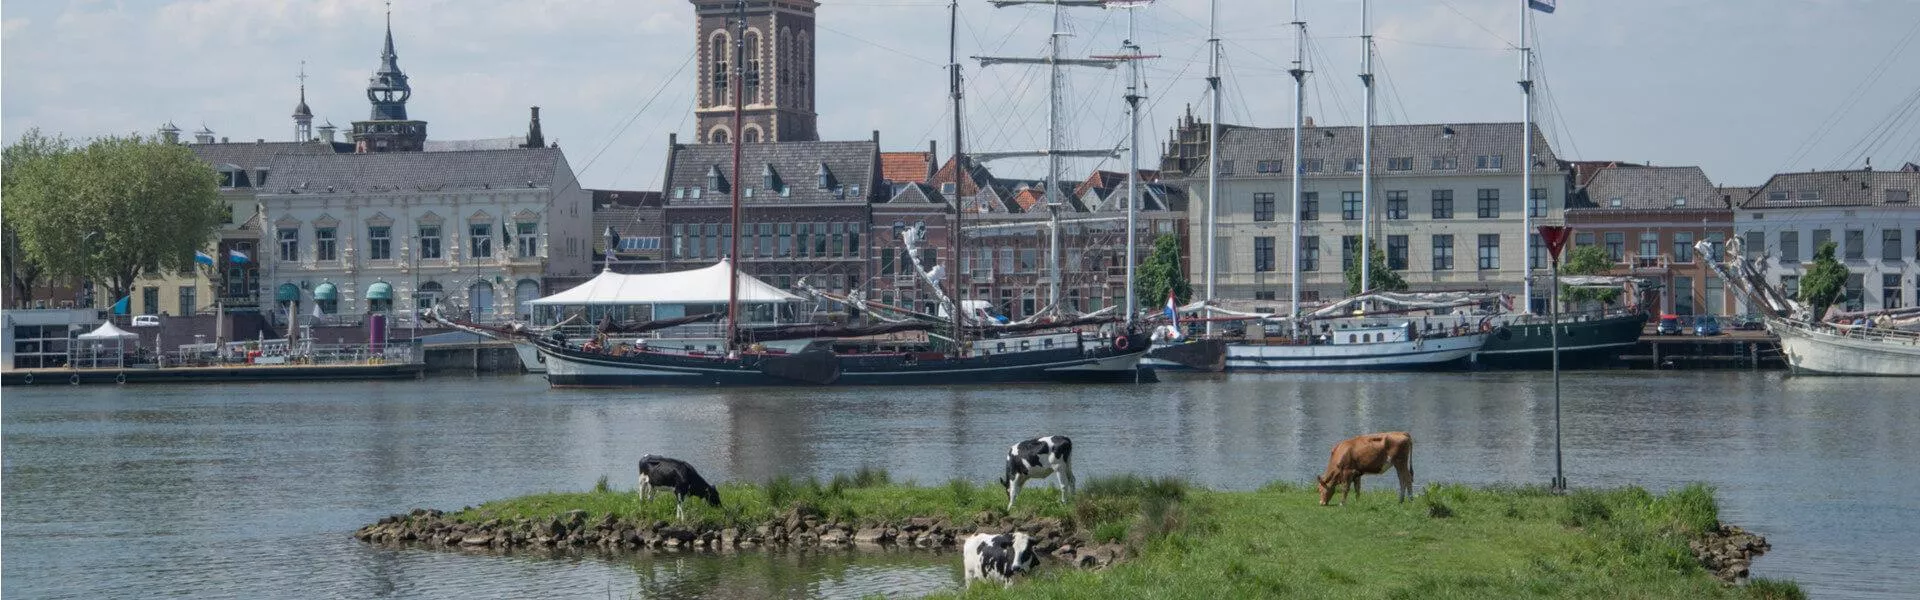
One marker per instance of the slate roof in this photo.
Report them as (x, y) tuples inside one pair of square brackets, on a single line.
[(1584, 170), (1246, 146), (917, 193), (1735, 195), (852, 168), (1153, 196), (1654, 188), (1836, 188), (417, 171), (504, 143), (627, 199), (254, 155)]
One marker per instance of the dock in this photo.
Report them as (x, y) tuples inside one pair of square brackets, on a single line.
[(1733, 349), (211, 374)]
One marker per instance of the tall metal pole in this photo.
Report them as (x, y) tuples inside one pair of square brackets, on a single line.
[(1299, 72), (1553, 303), (733, 186), (954, 231), (1053, 159), (1213, 146), (1133, 167), (1366, 152), (1526, 164)]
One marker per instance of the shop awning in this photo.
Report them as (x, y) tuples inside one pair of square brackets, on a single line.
[(288, 292), (325, 291), (380, 291)]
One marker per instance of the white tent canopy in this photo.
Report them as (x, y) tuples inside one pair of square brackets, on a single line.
[(706, 285), (107, 331)]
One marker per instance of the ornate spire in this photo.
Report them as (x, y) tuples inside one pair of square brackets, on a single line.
[(388, 89), (300, 111)]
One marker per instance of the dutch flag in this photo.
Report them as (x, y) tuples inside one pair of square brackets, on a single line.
[(1173, 315)]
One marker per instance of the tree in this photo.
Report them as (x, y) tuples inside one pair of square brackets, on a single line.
[(1161, 272), (1587, 260), (22, 272), (1824, 282), (1383, 278), (114, 210)]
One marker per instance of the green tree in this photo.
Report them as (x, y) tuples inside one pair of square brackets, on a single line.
[(1587, 260), (22, 272), (115, 209), (1824, 282), (1161, 272), (1384, 279)]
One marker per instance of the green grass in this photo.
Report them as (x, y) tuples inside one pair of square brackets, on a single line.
[(1450, 542)]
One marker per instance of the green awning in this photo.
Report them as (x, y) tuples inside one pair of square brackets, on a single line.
[(325, 291), (380, 291), (288, 292)]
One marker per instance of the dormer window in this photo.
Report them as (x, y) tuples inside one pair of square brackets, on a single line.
[(713, 178), (679, 193), (769, 179), (1614, 202), (948, 187), (1679, 201), (826, 178)]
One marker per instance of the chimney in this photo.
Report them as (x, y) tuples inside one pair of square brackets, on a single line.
[(326, 132), (1309, 122), (534, 139)]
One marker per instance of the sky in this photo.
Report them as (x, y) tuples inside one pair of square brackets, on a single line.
[(1741, 88)]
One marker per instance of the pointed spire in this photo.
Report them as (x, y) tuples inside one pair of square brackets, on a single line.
[(388, 89), (301, 112)]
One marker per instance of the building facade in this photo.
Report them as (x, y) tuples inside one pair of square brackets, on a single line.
[(1648, 220), (1870, 215), (777, 87), (346, 235), (1447, 207)]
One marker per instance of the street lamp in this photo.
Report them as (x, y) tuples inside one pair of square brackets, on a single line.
[(1555, 236)]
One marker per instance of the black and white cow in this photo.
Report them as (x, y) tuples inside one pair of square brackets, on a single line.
[(1038, 458), (992, 557), (677, 474)]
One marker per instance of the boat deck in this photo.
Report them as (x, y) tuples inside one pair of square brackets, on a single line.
[(226, 373)]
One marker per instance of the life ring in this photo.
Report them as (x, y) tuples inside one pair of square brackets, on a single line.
[(1120, 342), (73, 379), (29, 379), (120, 378)]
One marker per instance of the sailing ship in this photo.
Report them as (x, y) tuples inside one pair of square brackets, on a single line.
[(1061, 351), (1881, 342)]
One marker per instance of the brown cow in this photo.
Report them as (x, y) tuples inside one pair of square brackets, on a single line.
[(1368, 455)]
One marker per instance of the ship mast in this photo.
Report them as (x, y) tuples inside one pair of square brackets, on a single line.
[(1526, 164), (1213, 144), (733, 184), (959, 165), (1366, 152), (1131, 54), (1299, 73)]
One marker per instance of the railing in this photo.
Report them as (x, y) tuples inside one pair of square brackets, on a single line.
[(240, 354), (1859, 332), (1646, 261)]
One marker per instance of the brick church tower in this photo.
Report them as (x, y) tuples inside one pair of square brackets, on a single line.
[(778, 71)]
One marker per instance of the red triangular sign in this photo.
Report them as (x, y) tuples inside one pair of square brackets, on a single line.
[(1555, 237)]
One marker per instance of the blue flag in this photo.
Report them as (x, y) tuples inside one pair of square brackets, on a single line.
[(236, 256), (1545, 6), (121, 307), (203, 258)]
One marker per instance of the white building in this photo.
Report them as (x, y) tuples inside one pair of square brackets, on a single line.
[(363, 233), (1446, 208), (1869, 215)]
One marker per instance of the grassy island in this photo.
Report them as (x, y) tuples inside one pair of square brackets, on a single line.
[(1163, 539)]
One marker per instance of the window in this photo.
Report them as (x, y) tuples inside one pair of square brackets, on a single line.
[(1263, 207), (1397, 205), (1265, 166), (1264, 295), (853, 241), (1313, 165), (1029, 260), (785, 233), (1789, 246), (1583, 238), (1310, 206), (765, 247), (1446, 163), (1809, 196), (1404, 163), (1897, 196), (1889, 291), (1488, 161), (1890, 244), (429, 241), (1226, 167), (1683, 295), (1683, 246), (1350, 206), (1856, 246), (1537, 203), (803, 240), (1756, 243), (480, 240), (1309, 253), (379, 242), (1397, 252), (1856, 283), (150, 300), (189, 304), (1443, 252), (328, 243), (1263, 254), (1489, 204), (1353, 165), (836, 246), (1791, 285), (1776, 196), (1616, 246), (1349, 246), (1537, 251), (1489, 251), (289, 244), (1820, 237), (1443, 204), (1649, 247), (929, 258), (1716, 245)]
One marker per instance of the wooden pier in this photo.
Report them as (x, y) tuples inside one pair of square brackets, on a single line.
[(1735, 349)]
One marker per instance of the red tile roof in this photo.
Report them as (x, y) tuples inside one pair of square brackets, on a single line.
[(905, 167)]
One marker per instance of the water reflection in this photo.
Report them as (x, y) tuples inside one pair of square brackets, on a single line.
[(248, 491)]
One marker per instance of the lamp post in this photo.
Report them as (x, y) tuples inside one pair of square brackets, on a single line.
[(1555, 236)]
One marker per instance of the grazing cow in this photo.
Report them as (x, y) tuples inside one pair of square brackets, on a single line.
[(997, 557), (677, 474), (1368, 455), (1038, 458)]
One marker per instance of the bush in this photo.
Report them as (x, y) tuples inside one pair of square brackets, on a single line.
[(600, 487), (1774, 589), (1690, 510)]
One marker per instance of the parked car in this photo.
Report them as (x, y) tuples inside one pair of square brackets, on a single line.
[(1668, 325), (1706, 325), (1750, 323), (146, 321)]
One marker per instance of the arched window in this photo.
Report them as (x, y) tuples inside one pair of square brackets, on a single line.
[(718, 136), (718, 75), (783, 61), (428, 295), (750, 136), (803, 69), (480, 300), (751, 74), (524, 293)]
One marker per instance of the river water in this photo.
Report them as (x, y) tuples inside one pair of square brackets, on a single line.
[(250, 491)]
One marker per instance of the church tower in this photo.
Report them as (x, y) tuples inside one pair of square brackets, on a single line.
[(303, 116), (388, 129), (777, 72)]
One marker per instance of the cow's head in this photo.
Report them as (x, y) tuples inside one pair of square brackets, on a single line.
[(1326, 484), (1019, 549)]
